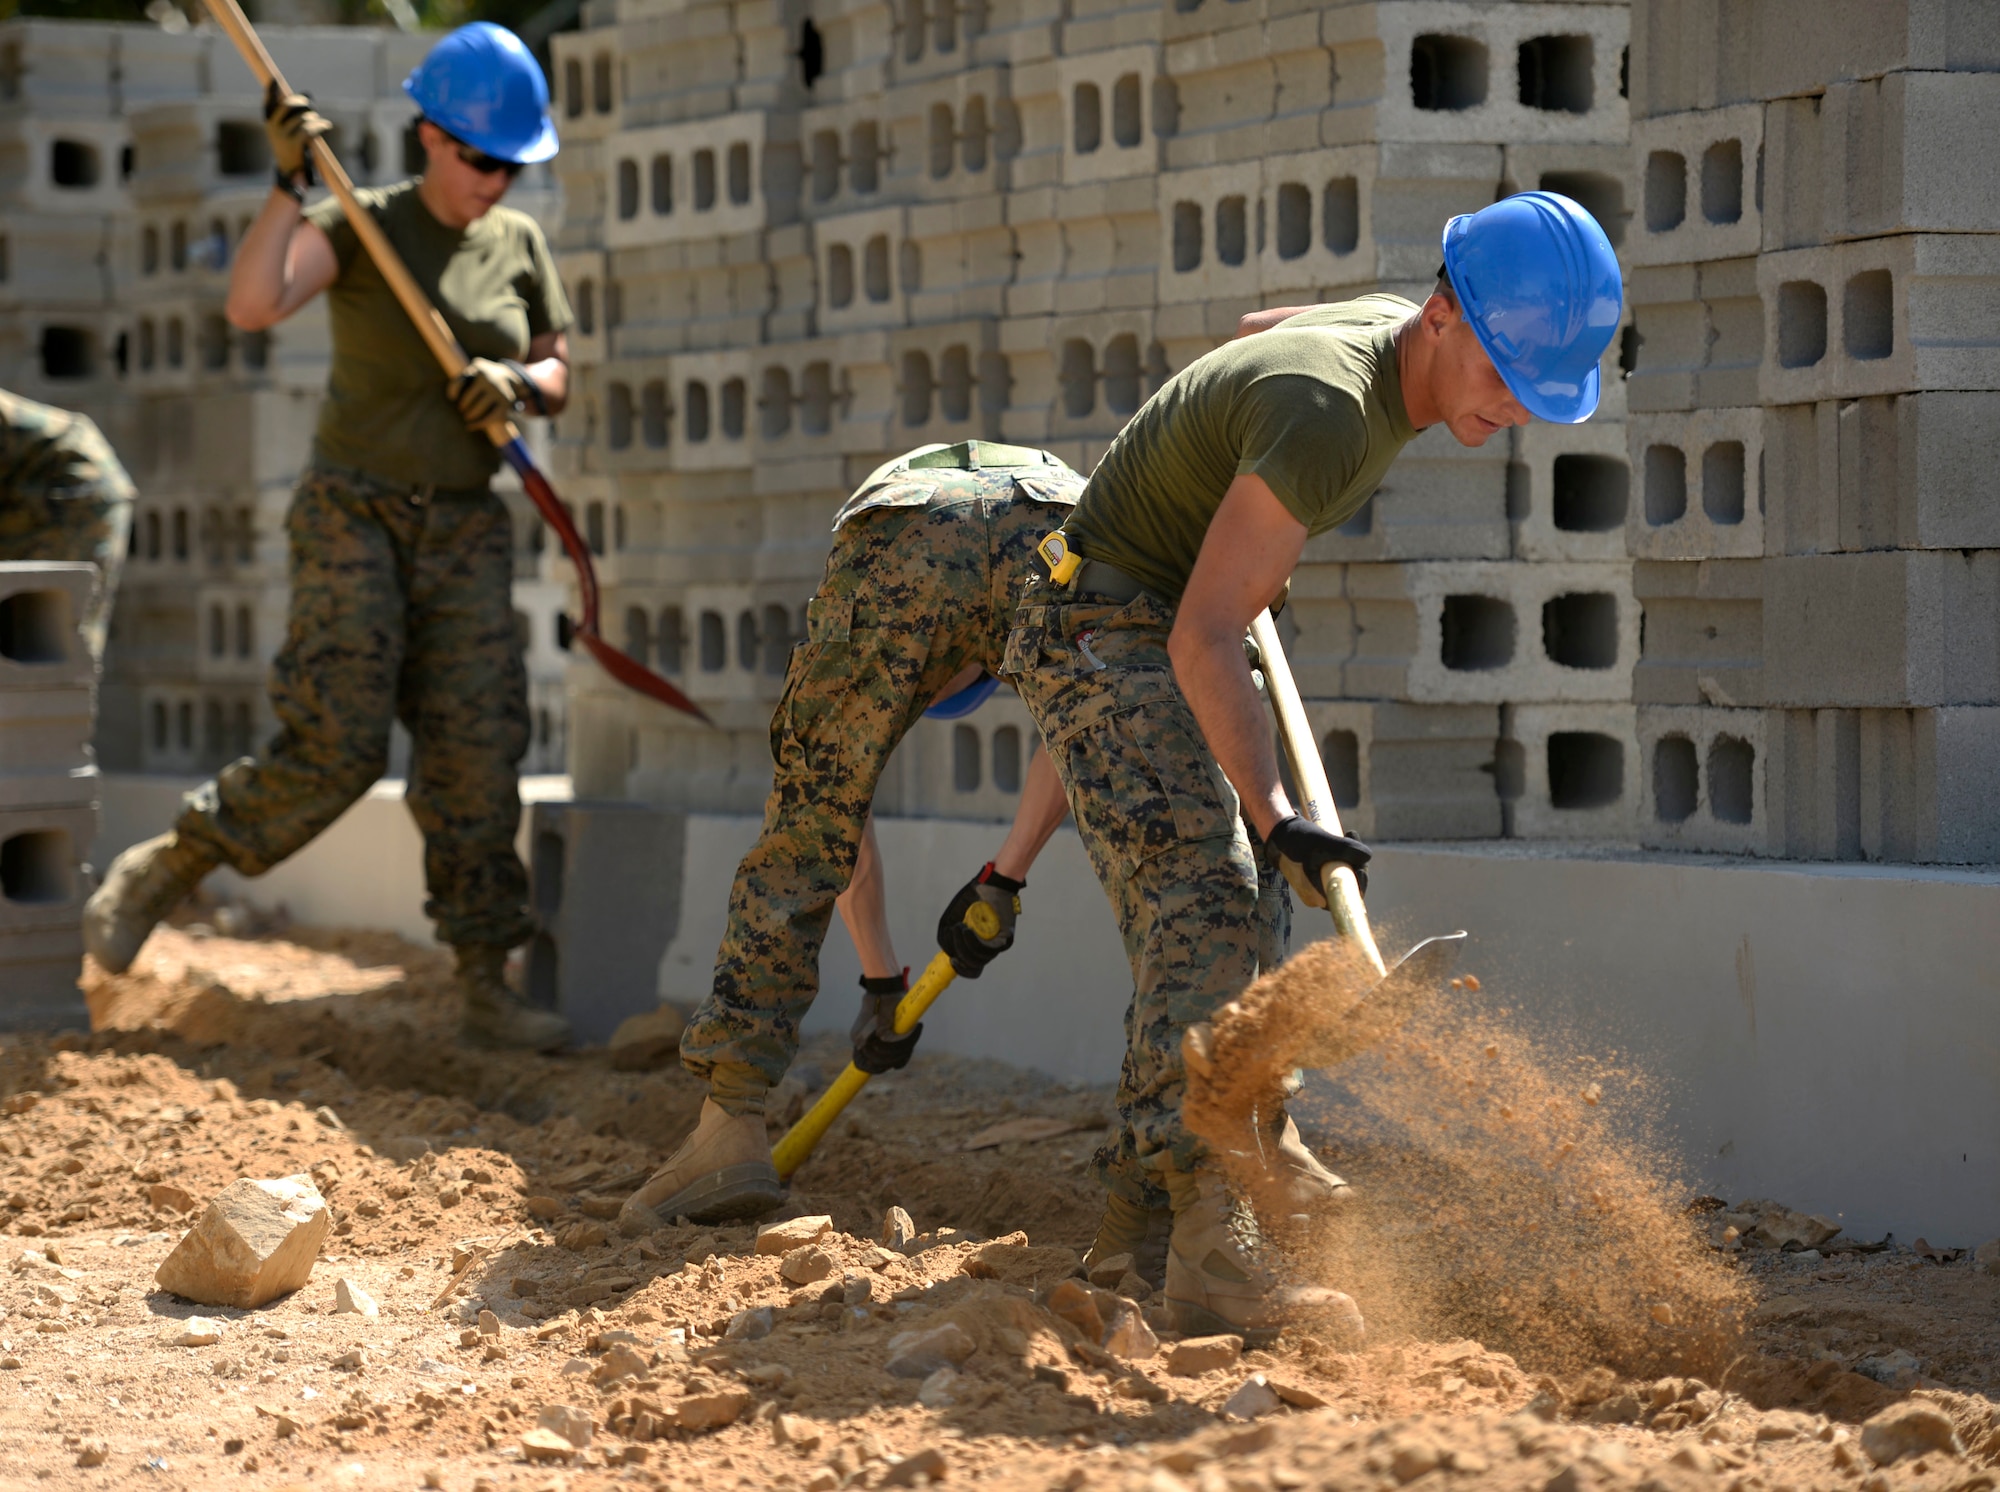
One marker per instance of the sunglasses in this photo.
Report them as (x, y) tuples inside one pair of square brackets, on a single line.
[(486, 164)]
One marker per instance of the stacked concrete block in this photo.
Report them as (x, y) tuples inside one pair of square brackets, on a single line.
[(1816, 245), (1017, 221), (48, 790)]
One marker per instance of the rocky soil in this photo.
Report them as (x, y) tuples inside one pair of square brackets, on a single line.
[(519, 1342)]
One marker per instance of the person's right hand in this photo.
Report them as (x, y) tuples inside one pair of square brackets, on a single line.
[(1305, 850), (292, 124)]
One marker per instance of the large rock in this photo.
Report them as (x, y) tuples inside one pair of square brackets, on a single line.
[(1910, 1428), (256, 1241), (792, 1233), (920, 1353)]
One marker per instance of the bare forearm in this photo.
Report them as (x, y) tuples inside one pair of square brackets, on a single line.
[(864, 908), (257, 279), (1214, 675), (1043, 808)]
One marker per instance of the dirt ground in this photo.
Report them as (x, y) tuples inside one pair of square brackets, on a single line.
[(463, 1183)]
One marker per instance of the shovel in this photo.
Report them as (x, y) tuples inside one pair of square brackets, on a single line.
[(1396, 993), (797, 1144)]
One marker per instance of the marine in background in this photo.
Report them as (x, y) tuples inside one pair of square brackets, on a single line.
[(402, 556)]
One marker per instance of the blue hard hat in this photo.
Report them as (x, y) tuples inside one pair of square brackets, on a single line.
[(971, 697), (1538, 280), (483, 86)]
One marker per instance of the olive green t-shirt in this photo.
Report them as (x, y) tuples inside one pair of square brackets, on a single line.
[(1314, 406), (387, 411)]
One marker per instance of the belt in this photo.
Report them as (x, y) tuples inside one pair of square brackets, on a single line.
[(1108, 582)]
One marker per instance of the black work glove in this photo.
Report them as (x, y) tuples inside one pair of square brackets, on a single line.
[(1304, 851), (877, 1047), (292, 125), (969, 952)]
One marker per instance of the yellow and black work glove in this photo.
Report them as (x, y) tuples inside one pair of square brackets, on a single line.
[(877, 1047), (969, 952), (489, 390), (292, 124), (1304, 850)]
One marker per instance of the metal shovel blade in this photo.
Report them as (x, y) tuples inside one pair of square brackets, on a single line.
[(1385, 1009)]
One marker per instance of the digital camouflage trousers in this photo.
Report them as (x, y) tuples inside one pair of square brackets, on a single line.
[(63, 496), (925, 571), (1198, 907), (401, 609)]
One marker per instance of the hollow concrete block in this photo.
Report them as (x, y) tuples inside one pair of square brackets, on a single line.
[(1701, 335), (1448, 71), (1402, 771), (1911, 786), (43, 604), (1112, 121), (605, 891), (1318, 208), (1569, 491), (1911, 471), (1702, 775), (1208, 232), (1599, 177), (1905, 153), (1578, 769), (733, 174), (1479, 633), (44, 879), (1880, 316), (583, 83), (1698, 186), (1698, 485), (1699, 54), (1883, 629), (1704, 632)]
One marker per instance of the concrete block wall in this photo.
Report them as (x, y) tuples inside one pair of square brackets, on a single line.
[(131, 163), (1017, 221), (1815, 249)]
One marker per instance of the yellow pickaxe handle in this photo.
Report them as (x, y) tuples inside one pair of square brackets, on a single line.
[(797, 1143), (1343, 891)]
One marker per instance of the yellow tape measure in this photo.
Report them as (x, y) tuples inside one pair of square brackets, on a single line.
[(1063, 563)]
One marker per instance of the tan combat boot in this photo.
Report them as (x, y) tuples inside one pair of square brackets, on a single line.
[(143, 885), (494, 1015), (1129, 1227), (721, 1174), (1217, 1285)]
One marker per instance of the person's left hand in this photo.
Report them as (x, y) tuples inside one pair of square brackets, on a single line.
[(970, 953), (489, 390)]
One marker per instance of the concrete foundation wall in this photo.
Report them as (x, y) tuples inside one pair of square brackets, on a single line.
[(1826, 1034)]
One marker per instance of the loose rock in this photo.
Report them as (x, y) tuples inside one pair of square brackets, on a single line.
[(257, 1240), (792, 1233), (1986, 1258), (566, 1420), (349, 1299), (1253, 1400), (170, 1198), (1198, 1355), (647, 1040), (918, 1354), (897, 1229), (804, 1266), (700, 1412), (196, 1331), (1909, 1429), (1108, 1272), (927, 1465), (92, 1453), (750, 1325), (792, 1430), (545, 1445), (620, 1362)]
